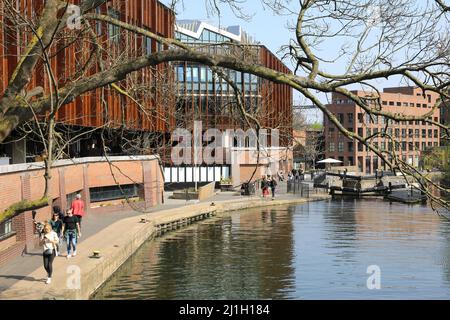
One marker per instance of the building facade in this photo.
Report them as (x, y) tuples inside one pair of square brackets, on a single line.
[(104, 107), (203, 95), (412, 138)]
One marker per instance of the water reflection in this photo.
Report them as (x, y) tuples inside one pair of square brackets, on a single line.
[(319, 250)]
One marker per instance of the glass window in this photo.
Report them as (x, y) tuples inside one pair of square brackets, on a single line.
[(188, 74), (148, 45), (113, 30), (360, 146), (6, 228), (98, 10), (238, 77), (350, 117), (180, 74), (194, 74), (203, 74), (210, 75), (331, 147), (350, 146), (213, 37)]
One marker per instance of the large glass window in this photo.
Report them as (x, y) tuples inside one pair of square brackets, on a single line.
[(148, 45), (203, 74), (194, 74), (180, 74), (331, 147), (113, 30)]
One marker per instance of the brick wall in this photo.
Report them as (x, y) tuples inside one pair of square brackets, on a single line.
[(17, 185)]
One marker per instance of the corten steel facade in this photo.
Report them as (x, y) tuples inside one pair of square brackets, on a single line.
[(94, 109), (204, 96), (412, 137), (88, 111)]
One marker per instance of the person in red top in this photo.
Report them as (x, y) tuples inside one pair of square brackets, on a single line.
[(78, 208)]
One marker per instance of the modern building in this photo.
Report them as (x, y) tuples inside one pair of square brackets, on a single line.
[(205, 96), (106, 107), (412, 138), (96, 179)]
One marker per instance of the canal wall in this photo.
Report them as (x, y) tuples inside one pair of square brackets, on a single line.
[(79, 277)]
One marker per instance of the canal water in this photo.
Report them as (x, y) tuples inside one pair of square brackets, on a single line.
[(319, 250)]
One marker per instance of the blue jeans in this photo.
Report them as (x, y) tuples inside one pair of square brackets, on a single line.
[(71, 239)]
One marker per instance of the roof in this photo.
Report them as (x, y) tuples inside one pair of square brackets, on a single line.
[(194, 29)]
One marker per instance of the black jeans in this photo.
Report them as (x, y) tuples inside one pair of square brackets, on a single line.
[(79, 220), (48, 263), (273, 192)]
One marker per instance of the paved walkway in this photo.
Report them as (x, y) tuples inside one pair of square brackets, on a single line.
[(22, 267)]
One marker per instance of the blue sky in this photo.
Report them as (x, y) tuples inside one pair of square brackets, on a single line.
[(271, 30)]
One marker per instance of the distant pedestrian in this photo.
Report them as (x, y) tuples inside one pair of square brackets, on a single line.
[(265, 187), (273, 186), (57, 209), (71, 231), (78, 208), (57, 225), (49, 240)]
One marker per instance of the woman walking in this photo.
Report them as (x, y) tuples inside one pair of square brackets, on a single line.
[(265, 187), (49, 241), (273, 186), (71, 231)]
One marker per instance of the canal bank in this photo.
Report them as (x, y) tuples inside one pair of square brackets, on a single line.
[(318, 250), (79, 277)]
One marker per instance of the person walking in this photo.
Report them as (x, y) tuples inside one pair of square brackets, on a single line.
[(71, 231), (57, 209), (77, 208), (49, 240), (273, 186), (264, 187), (56, 225)]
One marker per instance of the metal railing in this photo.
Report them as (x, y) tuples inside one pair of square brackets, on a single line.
[(298, 187)]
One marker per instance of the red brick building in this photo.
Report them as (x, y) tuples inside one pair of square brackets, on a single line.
[(91, 177), (412, 137)]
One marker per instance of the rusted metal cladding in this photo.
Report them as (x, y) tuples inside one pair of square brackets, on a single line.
[(72, 52), (277, 99)]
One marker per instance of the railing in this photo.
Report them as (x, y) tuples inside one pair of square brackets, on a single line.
[(298, 187)]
